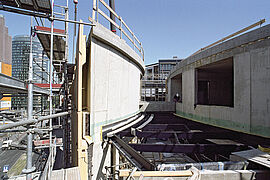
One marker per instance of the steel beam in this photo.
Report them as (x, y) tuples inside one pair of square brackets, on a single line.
[(188, 148), (195, 134), (162, 127), (132, 154)]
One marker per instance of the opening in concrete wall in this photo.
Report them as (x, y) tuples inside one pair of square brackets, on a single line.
[(215, 84), (176, 88)]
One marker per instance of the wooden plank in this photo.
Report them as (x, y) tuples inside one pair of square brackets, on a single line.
[(110, 9), (256, 156), (126, 173), (108, 18)]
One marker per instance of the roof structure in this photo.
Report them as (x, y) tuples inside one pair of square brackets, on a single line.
[(43, 6)]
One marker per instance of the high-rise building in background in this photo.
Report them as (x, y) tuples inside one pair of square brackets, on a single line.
[(5, 59), (20, 62), (154, 80)]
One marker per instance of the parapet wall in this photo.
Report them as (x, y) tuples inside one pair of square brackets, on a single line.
[(106, 89), (115, 78)]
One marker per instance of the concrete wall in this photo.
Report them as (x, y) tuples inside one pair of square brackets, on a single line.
[(107, 86), (115, 86), (251, 62), (115, 79), (175, 87)]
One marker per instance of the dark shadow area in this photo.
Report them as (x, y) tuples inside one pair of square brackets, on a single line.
[(215, 83)]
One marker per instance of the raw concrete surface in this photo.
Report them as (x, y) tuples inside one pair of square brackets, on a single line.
[(251, 62), (110, 90)]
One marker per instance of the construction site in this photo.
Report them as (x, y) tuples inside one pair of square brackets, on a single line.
[(107, 115)]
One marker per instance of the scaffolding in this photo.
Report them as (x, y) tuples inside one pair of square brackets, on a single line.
[(55, 45), (54, 41)]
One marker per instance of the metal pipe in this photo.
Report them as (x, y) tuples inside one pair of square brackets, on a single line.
[(65, 80), (51, 79), (71, 21), (112, 5), (94, 10), (74, 35), (30, 107), (42, 118), (13, 130), (23, 12), (27, 122)]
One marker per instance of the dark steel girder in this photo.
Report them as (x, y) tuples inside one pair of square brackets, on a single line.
[(133, 156), (188, 148), (178, 127), (196, 135)]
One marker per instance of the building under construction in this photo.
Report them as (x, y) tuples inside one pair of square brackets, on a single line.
[(96, 127)]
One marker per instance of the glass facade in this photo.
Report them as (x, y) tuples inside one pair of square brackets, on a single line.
[(20, 67)]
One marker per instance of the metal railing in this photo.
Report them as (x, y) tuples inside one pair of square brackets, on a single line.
[(134, 40), (47, 172)]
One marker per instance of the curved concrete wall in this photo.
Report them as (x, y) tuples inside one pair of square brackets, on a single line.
[(107, 90), (251, 67), (115, 78)]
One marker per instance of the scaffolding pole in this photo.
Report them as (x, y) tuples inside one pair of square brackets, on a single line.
[(32, 121), (29, 169), (51, 81), (65, 122)]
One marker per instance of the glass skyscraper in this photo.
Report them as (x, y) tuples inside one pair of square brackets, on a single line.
[(20, 67)]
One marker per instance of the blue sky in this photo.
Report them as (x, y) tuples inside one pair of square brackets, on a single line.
[(169, 28)]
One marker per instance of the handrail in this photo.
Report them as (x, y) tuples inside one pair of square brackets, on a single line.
[(47, 172), (230, 36), (134, 40)]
